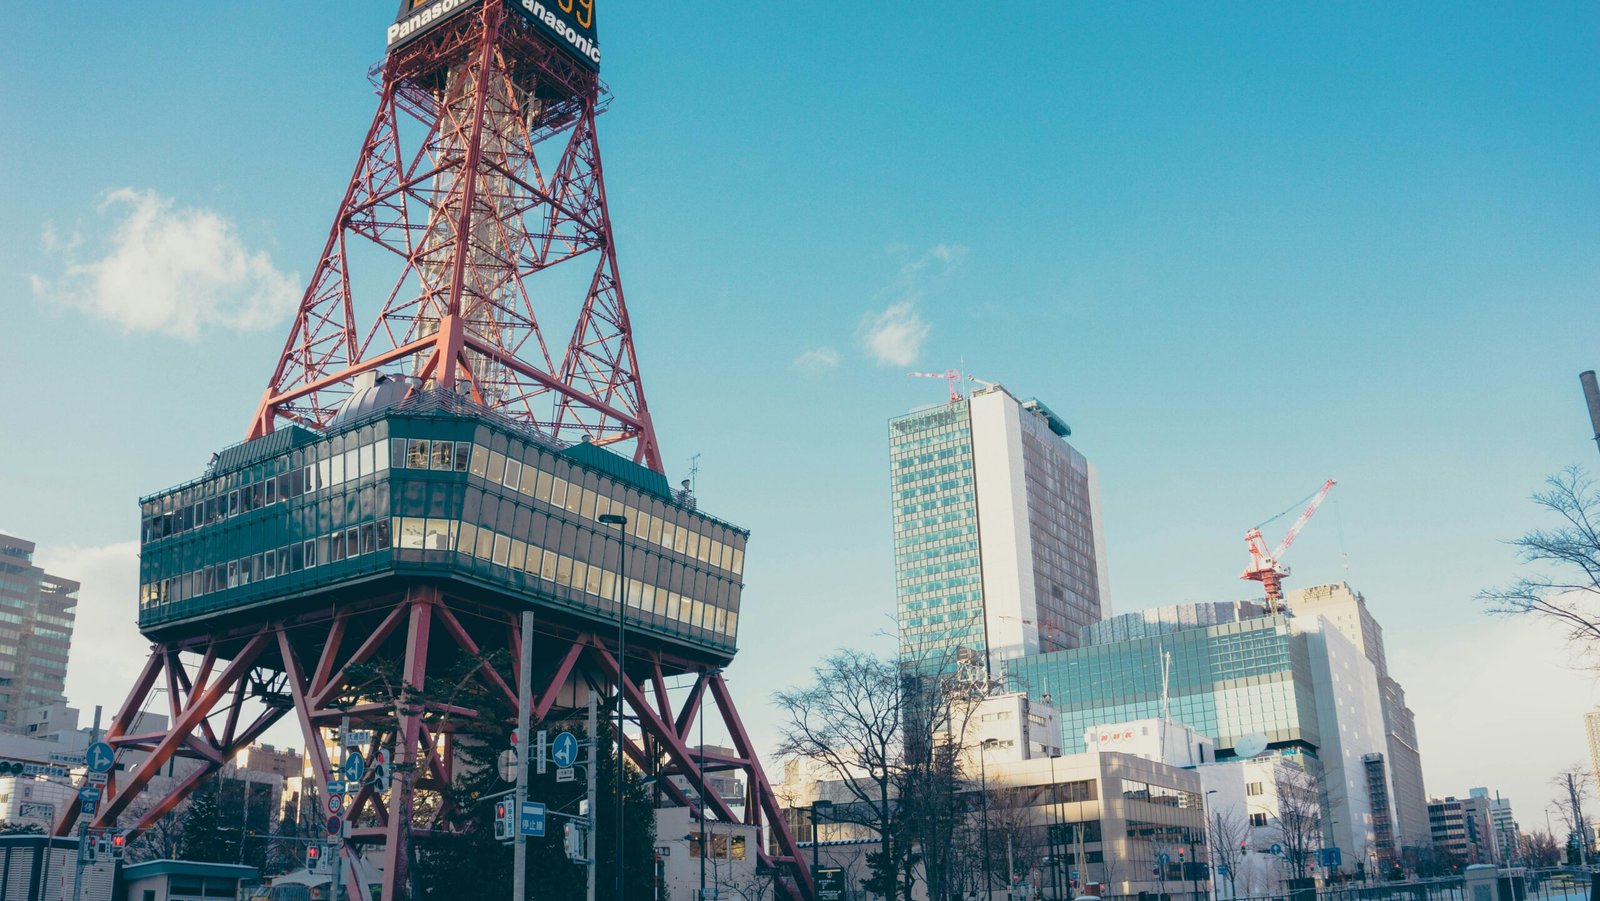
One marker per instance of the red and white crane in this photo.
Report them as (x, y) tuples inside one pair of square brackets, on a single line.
[(953, 376), (1265, 567)]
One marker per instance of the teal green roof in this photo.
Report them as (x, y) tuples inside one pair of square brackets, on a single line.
[(1056, 423), (188, 868), (620, 468)]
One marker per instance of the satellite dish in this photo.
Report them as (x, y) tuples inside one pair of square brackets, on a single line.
[(1250, 745)]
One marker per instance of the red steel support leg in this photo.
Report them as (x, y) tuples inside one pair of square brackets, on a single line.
[(408, 723)]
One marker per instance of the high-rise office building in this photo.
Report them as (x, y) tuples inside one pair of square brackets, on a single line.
[(36, 616), (997, 532), (1346, 610)]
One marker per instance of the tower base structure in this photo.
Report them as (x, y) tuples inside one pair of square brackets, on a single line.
[(383, 596)]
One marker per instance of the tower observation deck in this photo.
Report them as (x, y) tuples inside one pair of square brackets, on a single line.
[(438, 489)]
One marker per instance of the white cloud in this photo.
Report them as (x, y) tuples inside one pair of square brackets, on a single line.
[(1500, 707), (816, 360), (894, 335), (107, 649), (167, 269)]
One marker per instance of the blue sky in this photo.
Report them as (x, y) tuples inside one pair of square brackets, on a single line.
[(1241, 248)]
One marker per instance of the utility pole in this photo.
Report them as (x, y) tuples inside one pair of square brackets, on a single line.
[(83, 823), (519, 876)]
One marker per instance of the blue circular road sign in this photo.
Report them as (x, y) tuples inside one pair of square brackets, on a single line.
[(99, 757), (564, 750)]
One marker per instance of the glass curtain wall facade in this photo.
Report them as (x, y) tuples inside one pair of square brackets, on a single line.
[(441, 494), (1226, 681), (37, 613), (938, 569)]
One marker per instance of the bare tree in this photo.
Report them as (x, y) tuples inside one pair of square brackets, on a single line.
[(1016, 842), (1229, 832), (1572, 786), (1298, 821), (850, 722), (1540, 849), (1566, 588), (165, 834)]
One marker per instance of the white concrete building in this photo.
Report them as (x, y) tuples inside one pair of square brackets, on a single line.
[(1166, 741)]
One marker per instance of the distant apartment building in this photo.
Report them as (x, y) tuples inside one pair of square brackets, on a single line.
[(1463, 828), (998, 544), (1346, 609), (1502, 823), (37, 610)]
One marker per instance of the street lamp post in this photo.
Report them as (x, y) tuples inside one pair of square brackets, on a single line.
[(1209, 841), (615, 519), (983, 784), (1055, 832), (817, 807)]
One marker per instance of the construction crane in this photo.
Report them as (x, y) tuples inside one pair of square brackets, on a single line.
[(953, 376), (1265, 567)]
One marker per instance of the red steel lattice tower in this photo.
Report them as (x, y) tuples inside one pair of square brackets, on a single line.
[(477, 200), (478, 195)]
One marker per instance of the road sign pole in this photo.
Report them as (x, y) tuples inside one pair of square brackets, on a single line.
[(519, 876), (594, 742), (340, 888), (83, 824)]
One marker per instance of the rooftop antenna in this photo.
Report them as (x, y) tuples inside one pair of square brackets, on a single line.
[(694, 473), (1166, 708)]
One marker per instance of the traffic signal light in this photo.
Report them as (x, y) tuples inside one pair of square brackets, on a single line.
[(313, 857), (503, 827), (119, 845), (1243, 847)]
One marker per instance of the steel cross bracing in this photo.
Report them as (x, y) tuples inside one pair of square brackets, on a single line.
[(479, 175), (225, 689)]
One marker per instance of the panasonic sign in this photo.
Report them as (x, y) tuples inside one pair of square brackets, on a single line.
[(570, 23), (416, 18)]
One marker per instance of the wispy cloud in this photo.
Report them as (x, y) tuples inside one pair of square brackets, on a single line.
[(817, 360), (107, 649), (157, 267), (894, 335)]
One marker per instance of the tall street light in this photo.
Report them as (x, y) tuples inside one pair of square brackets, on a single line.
[(1055, 831), (1208, 843), (983, 782), (621, 522), (817, 807)]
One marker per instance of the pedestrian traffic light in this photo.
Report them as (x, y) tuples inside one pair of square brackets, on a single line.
[(313, 857), (503, 827), (119, 844)]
